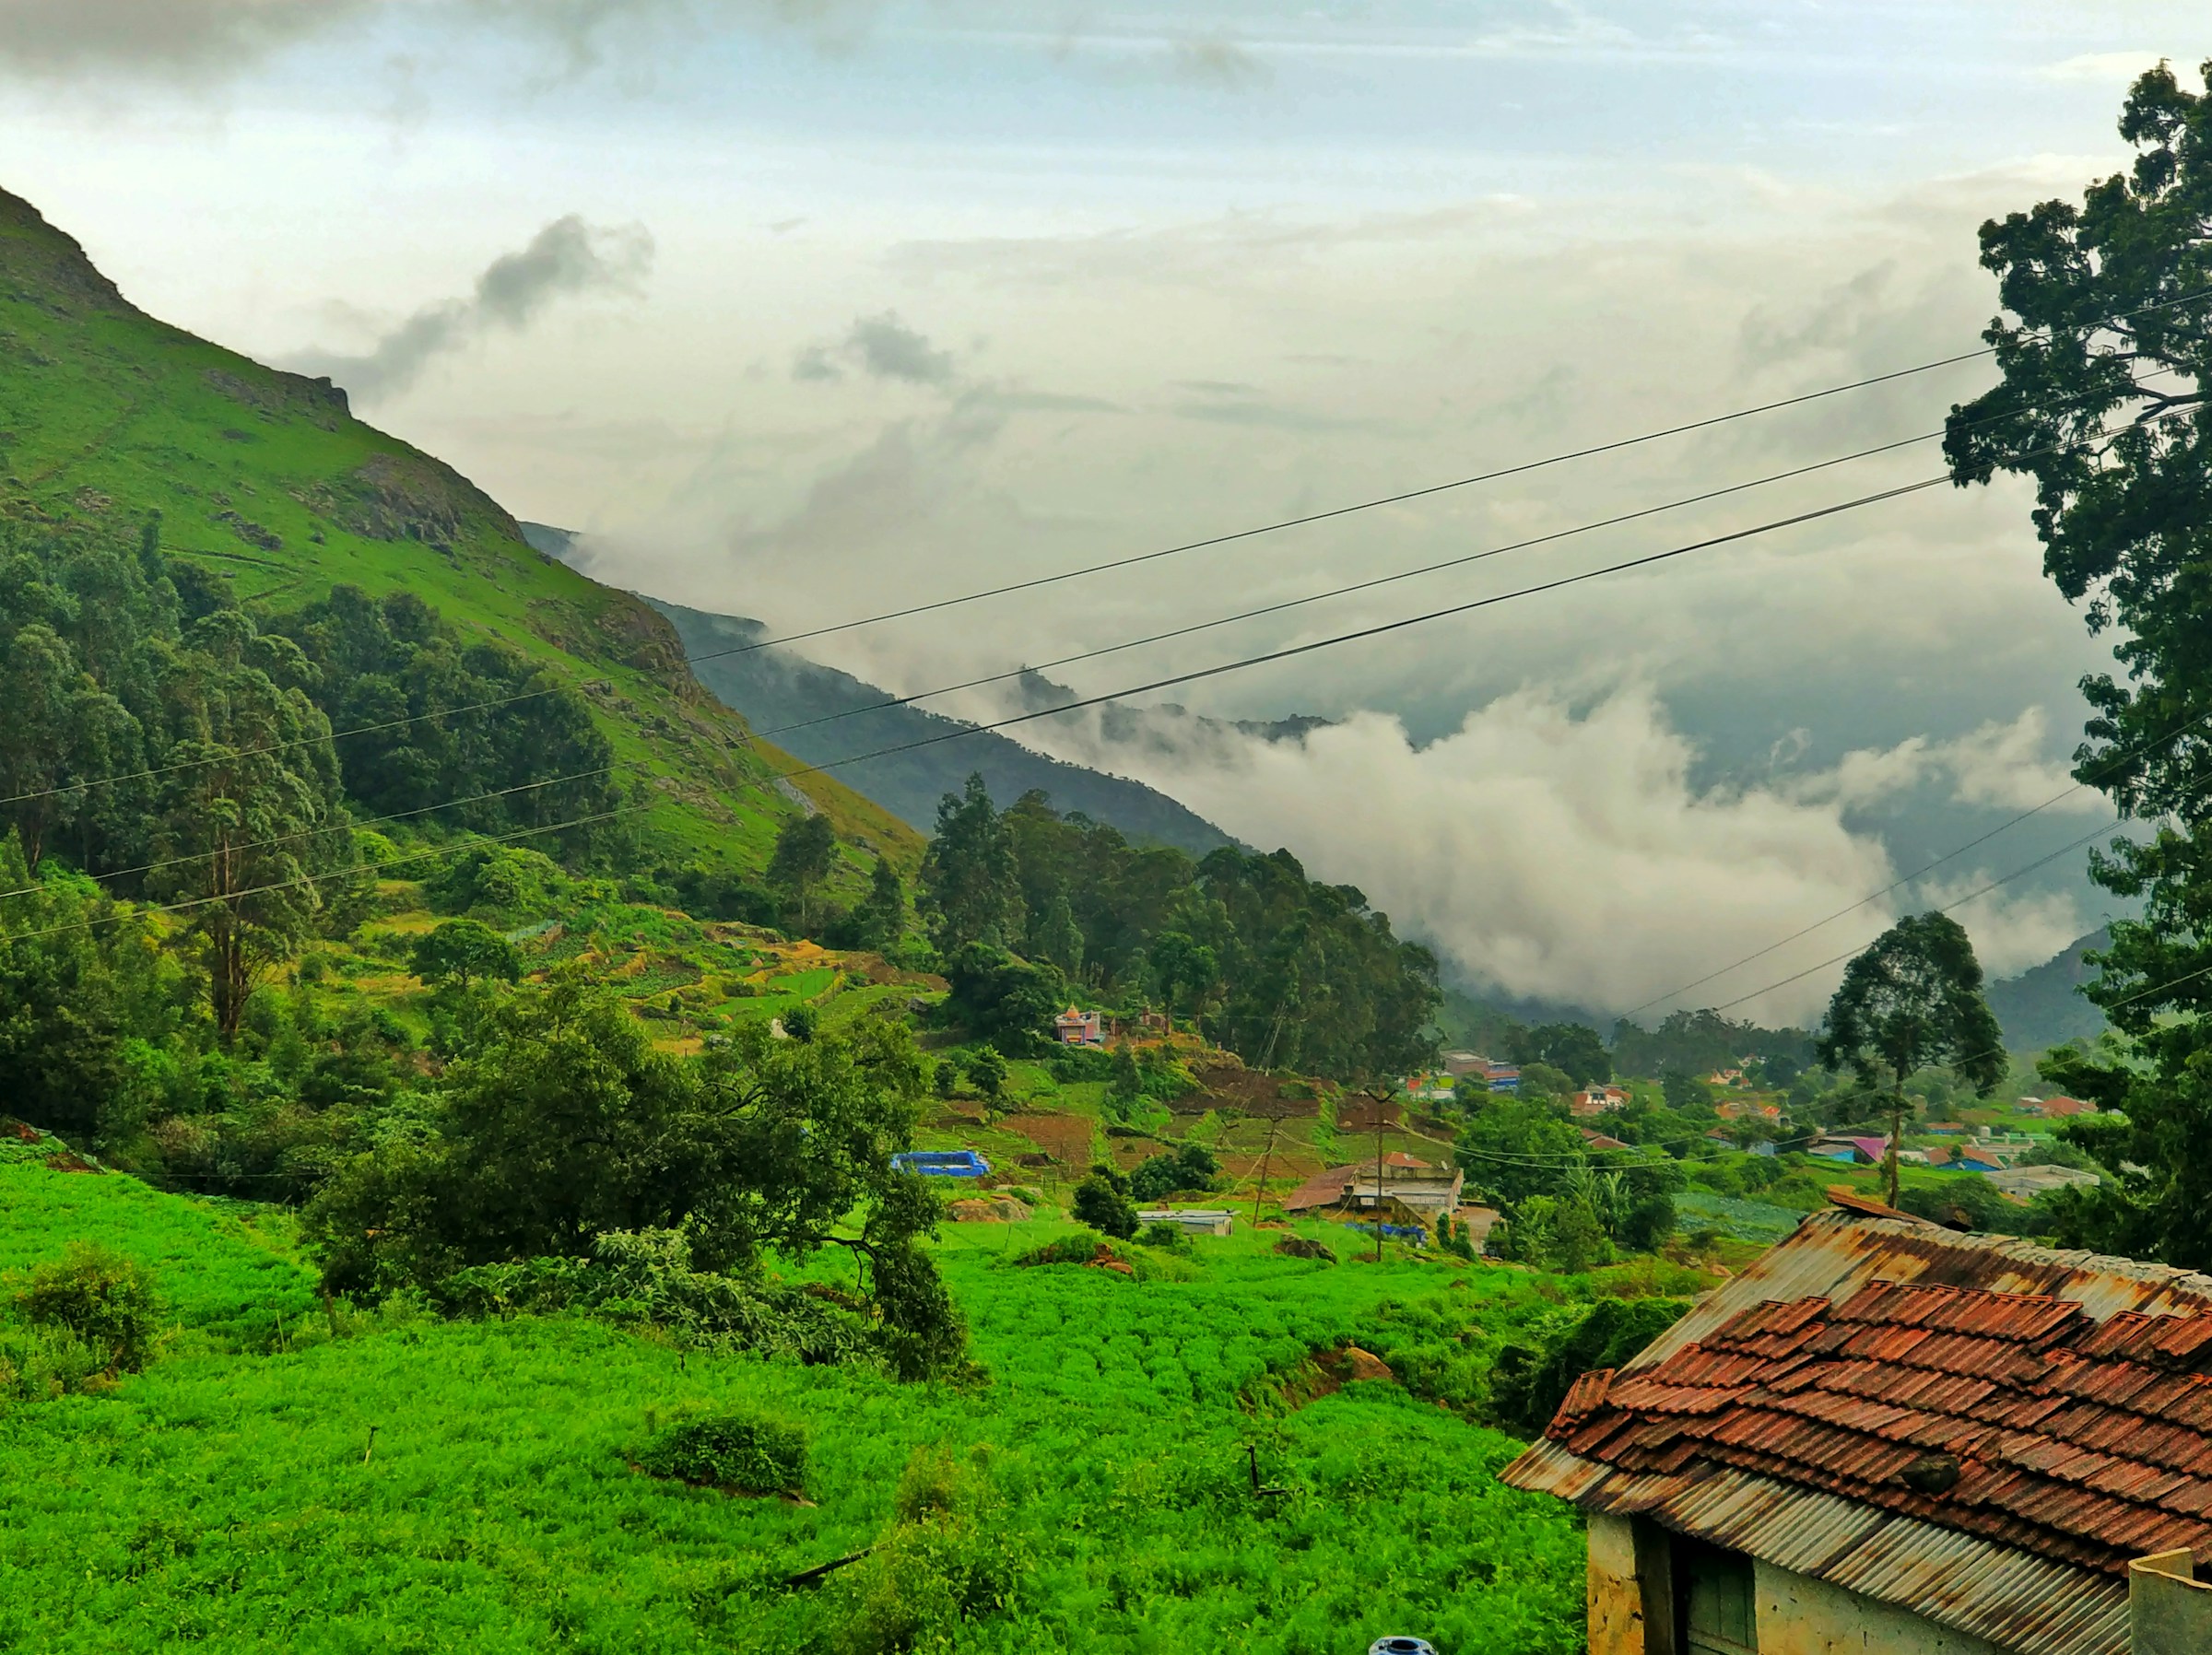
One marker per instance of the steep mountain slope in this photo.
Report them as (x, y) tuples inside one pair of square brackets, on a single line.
[(109, 417), (2042, 1007), (774, 687)]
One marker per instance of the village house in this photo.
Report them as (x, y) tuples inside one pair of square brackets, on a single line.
[(2023, 1184), (1859, 1152), (2057, 1109), (1458, 1064), (1420, 1191), (1077, 1027), (1597, 1101), (1738, 1109), (1887, 1435), (1501, 1077)]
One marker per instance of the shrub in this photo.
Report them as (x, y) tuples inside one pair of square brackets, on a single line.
[(1192, 1166), (1650, 1222), (1067, 1249), (749, 1452), (35, 1365), (101, 1297), (942, 1561), (1102, 1201), (1532, 1380), (1162, 1233)]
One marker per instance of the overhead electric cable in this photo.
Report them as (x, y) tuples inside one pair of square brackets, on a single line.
[(2116, 763), (348, 827), (1415, 494), (2018, 872), (1377, 630), (336, 874), (1347, 591), (1809, 396)]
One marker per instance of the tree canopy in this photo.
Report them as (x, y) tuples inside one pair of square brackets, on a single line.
[(2106, 368), (1912, 999), (1284, 970)]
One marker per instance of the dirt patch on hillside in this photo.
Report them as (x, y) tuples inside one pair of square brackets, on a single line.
[(1356, 1113), (1066, 1138), (1249, 1092), (1325, 1373)]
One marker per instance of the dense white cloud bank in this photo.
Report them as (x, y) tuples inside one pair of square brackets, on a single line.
[(1569, 855)]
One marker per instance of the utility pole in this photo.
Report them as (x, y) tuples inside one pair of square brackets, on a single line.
[(1379, 1095), (1275, 1124)]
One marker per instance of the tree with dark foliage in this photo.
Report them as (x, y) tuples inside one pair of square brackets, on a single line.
[(2106, 403), (1911, 1001)]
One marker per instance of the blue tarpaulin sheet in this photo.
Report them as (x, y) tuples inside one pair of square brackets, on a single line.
[(942, 1163), (1396, 1232)]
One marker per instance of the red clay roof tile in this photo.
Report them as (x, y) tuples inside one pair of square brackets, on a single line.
[(2076, 1439)]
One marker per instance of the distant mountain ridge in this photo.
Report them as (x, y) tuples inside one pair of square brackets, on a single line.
[(774, 687), (2044, 1006)]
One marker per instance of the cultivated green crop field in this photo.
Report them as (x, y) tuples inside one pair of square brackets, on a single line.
[(226, 1498)]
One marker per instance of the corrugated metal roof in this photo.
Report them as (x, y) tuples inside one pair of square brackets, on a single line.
[(2047, 1412), (2011, 1597)]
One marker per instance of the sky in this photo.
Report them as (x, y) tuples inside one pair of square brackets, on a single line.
[(806, 310)]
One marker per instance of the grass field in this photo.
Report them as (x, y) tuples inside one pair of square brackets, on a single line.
[(226, 1498)]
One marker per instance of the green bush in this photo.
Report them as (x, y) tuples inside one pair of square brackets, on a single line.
[(1067, 1249), (1532, 1380), (1190, 1167), (747, 1451), (99, 1297), (35, 1365), (1102, 1201), (1164, 1234), (943, 1560)]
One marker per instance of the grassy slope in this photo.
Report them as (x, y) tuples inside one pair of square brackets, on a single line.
[(107, 415), (221, 1497)]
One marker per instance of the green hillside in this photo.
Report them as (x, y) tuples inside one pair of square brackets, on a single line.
[(285, 1478), (109, 417)]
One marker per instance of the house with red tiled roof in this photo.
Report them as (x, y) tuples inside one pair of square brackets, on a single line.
[(1887, 1435)]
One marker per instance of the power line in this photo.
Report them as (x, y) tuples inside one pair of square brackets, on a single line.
[(1377, 630), (1414, 493), (346, 826), (1927, 868), (508, 700), (1337, 592), (1959, 902), (1387, 626), (285, 885)]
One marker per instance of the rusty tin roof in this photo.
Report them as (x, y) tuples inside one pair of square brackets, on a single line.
[(1973, 1427)]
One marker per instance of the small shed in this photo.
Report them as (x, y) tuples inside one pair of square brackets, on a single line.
[(1194, 1221)]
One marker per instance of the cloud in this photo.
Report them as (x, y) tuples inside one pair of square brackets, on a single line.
[(1542, 852), (2117, 68), (567, 257), (1999, 764), (68, 37), (882, 347), (1215, 62), (1557, 854), (222, 38)]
